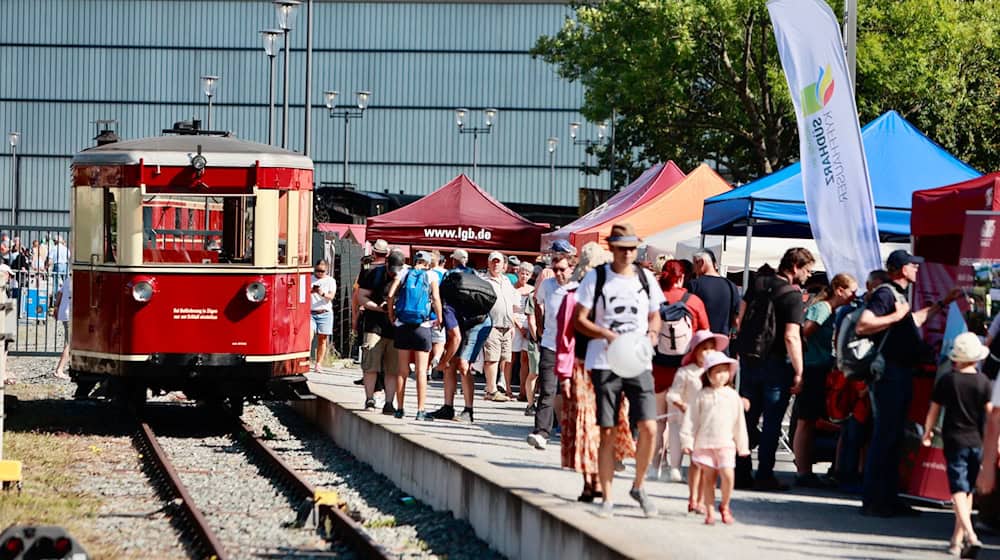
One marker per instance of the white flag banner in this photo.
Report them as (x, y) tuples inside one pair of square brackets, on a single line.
[(835, 181)]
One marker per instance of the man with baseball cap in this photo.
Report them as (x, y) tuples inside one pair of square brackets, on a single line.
[(887, 314), (613, 300), (378, 354), (498, 348)]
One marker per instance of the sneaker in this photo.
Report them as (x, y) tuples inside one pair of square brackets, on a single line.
[(437, 375), (530, 410), (496, 396), (771, 484), (606, 510), (675, 475), (648, 507), (388, 409), (446, 412), (423, 417), (619, 466), (357, 381), (399, 413), (537, 441), (466, 416), (654, 471), (370, 404)]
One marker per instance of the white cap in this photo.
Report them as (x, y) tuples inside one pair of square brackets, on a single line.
[(496, 255)]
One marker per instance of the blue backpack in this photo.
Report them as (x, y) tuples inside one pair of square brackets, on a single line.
[(413, 302)]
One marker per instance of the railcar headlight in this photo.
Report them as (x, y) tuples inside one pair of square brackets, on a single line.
[(142, 291), (256, 292)]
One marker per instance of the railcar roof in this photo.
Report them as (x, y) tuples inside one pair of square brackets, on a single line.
[(179, 149)]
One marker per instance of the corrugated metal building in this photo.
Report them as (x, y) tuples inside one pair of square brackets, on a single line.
[(67, 63)]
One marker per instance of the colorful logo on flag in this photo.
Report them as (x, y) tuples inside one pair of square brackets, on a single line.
[(815, 96)]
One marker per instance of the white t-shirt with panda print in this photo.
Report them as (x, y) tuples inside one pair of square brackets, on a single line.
[(624, 307)]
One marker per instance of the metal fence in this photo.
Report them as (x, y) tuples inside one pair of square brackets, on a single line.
[(40, 259), (344, 256)]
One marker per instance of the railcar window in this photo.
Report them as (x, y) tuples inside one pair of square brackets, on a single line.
[(110, 227), (283, 227), (305, 226), (198, 229)]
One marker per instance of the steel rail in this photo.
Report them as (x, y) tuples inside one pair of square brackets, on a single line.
[(345, 527), (205, 539)]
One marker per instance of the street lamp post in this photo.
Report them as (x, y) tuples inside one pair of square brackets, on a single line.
[(489, 117), (285, 8), (208, 84), (347, 112), (270, 36), (13, 138), (574, 131), (552, 142)]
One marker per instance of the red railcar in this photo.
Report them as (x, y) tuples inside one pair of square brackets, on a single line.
[(191, 267)]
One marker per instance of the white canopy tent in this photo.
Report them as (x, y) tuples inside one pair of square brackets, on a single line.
[(684, 240)]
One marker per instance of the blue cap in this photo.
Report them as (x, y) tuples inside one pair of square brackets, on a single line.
[(562, 246)]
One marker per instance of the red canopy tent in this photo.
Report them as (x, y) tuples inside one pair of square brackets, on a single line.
[(937, 218), (459, 214), (652, 183)]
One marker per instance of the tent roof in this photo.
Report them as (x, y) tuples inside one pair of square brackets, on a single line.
[(900, 160), (459, 214), (653, 182), (941, 211), (671, 207)]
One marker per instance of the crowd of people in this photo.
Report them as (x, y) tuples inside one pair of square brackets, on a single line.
[(724, 368)]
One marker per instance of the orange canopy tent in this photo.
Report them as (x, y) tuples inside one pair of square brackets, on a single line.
[(677, 205)]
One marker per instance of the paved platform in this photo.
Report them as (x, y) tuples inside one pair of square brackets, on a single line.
[(520, 501)]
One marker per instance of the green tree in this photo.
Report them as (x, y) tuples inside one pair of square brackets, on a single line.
[(700, 80)]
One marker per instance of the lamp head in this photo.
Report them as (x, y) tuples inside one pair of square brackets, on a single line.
[(491, 116), (460, 116), (208, 84), (13, 138), (270, 36), (602, 129), (330, 96), (552, 143), (363, 97), (574, 129), (286, 11)]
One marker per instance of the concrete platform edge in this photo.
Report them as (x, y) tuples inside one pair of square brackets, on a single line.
[(512, 521)]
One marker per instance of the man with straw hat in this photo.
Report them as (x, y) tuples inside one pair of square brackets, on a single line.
[(612, 300)]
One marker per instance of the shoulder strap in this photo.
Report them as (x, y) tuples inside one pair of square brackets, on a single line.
[(783, 290), (602, 276), (642, 278), (685, 297)]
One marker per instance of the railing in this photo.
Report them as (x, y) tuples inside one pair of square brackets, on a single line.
[(39, 258)]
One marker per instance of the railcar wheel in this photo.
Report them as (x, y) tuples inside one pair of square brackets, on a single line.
[(235, 405)]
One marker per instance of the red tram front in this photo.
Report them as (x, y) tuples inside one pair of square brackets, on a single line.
[(191, 267)]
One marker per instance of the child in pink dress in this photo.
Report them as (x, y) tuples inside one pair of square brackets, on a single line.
[(715, 431)]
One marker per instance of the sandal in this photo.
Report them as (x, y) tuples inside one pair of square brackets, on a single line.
[(709, 520), (696, 508), (727, 514), (971, 549), (954, 548)]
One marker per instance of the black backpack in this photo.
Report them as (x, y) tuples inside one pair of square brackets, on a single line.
[(991, 365), (758, 329), (467, 293)]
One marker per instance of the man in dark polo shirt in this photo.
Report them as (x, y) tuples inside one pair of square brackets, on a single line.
[(721, 298), (888, 312), (769, 382)]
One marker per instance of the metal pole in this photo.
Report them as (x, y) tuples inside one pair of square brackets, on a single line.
[(309, 55), (270, 103), (209, 123), (851, 37), (614, 116), (13, 184), (347, 122), (552, 176), (746, 257), (284, 113), (475, 153)]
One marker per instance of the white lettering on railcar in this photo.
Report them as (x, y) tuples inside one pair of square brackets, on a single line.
[(195, 314)]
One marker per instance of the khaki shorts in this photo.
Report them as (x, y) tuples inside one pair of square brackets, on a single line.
[(498, 345), (378, 354)]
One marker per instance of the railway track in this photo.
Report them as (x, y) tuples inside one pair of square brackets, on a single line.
[(323, 506)]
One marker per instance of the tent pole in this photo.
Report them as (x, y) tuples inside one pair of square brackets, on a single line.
[(746, 256), (702, 241)]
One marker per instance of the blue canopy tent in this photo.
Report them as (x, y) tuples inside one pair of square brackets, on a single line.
[(901, 160)]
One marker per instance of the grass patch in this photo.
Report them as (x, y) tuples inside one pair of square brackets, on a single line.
[(381, 522), (51, 462)]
